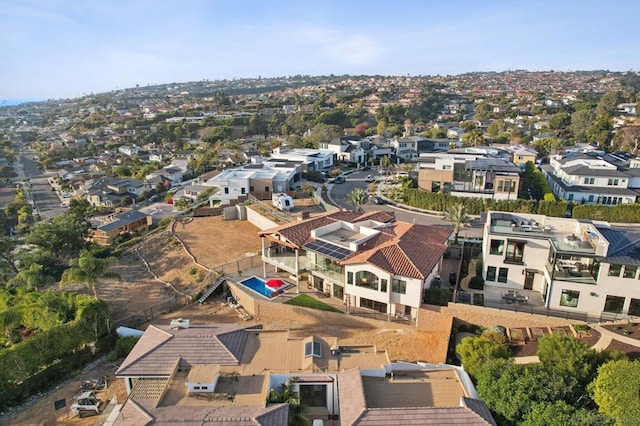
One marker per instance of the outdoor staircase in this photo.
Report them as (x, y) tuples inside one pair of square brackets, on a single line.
[(208, 292)]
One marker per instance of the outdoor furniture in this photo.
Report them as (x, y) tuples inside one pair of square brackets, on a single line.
[(513, 296)]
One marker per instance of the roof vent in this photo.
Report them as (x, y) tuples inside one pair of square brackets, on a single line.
[(179, 323)]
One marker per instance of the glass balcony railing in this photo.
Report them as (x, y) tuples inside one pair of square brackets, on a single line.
[(328, 274), (286, 260)]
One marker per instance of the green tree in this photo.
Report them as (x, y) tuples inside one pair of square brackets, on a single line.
[(458, 217), (357, 198), (566, 355), (580, 122), (615, 390), (88, 270), (559, 413), (31, 278), (473, 138), (476, 351)]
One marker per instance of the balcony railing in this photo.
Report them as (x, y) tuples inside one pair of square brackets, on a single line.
[(286, 260), (328, 274)]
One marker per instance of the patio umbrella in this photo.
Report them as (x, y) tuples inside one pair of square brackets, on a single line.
[(275, 283)]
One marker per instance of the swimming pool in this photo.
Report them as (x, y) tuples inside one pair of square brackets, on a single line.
[(260, 286)]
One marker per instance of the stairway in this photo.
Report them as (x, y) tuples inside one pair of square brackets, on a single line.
[(208, 292)]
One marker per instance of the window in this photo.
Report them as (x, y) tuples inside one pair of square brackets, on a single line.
[(491, 273), (226, 190), (349, 277), (515, 251), (612, 182), (383, 286), (590, 199), (243, 190), (634, 307), (569, 298), (502, 275), (614, 304), (497, 247), (313, 395), (312, 348), (367, 279), (446, 167), (251, 189), (589, 181), (614, 270), (374, 305), (629, 271), (266, 189), (398, 286), (435, 186)]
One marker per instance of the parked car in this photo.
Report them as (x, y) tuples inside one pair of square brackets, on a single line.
[(370, 178), (437, 282), (64, 205), (339, 179), (382, 172), (377, 200)]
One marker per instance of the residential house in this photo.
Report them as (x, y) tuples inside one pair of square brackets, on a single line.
[(521, 154), (455, 133), (593, 177), (108, 192), (223, 374), (469, 173), (271, 176), (131, 222), (171, 173), (364, 259), (310, 159), (347, 149), (129, 150), (580, 266)]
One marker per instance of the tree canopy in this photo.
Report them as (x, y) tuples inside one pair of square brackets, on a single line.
[(615, 390)]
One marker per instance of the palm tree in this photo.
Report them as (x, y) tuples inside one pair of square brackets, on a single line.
[(287, 395), (88, 269), (457, 215), (357, 198)]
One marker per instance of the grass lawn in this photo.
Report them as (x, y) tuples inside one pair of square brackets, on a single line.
[(309, 302)]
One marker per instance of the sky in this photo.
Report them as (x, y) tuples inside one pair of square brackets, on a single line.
[(52, 49)]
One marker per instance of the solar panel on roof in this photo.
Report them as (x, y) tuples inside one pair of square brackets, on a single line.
[(327, 249)]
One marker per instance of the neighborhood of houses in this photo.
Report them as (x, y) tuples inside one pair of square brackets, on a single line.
[(187, 373)]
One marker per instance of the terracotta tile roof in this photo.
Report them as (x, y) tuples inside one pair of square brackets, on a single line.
[(351, 396), (421, 416), (298, 233), (160, 346), (405, 249), (230, 415)]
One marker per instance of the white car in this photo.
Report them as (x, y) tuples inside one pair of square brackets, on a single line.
[(64, 205), (370, 178)]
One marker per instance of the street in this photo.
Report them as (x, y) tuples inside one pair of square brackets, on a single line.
[(355, 180), (46, 201)]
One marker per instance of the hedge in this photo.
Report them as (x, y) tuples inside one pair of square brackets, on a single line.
[(437, 296), (620, 213)]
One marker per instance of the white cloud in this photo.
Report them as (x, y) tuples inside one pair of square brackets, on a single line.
[(340, 46)]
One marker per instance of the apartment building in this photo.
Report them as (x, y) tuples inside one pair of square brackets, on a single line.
[(576, 265)]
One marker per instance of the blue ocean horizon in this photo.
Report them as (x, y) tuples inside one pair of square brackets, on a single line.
[(14, 102)]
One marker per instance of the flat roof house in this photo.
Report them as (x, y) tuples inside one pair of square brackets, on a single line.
[(581, 266)]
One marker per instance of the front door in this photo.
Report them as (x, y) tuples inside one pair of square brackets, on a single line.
[(528, 280)]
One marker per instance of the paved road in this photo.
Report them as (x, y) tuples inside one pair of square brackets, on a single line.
[(357, 180), (46, 201)]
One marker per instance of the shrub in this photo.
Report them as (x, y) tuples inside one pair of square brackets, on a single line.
[(124, 345), (477, 282), (437, 296), (193, 270)]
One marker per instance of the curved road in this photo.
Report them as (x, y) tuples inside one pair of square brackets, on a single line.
[(338, 193), (46, 201)]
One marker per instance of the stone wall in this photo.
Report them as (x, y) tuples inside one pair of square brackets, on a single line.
[(487, 317)]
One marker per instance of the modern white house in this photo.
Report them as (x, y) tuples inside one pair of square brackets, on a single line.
[(310, 159), (576, 265), (367, 260), (252, 178), (593, 177)]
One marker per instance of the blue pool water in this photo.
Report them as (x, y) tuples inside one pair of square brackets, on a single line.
[(260, 286)]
